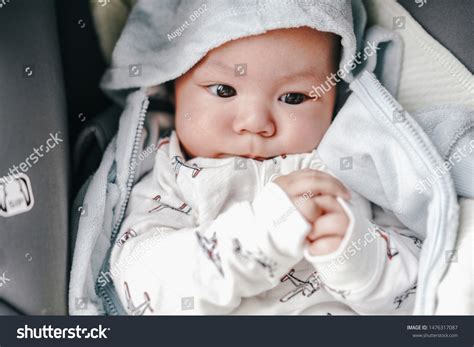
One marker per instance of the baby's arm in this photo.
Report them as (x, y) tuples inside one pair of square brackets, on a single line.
[(375, 268), (207, 269)]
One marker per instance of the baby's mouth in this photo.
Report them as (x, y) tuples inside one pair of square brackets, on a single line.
[(258, 158), (249, 156)]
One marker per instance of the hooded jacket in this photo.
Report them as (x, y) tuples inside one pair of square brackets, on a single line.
[(391, 153)]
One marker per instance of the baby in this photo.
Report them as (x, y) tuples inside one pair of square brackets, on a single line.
[(240, 215), (267, 113)]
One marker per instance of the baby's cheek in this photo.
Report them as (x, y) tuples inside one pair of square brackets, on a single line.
[(200, 136), (307, 136), (182, 127)]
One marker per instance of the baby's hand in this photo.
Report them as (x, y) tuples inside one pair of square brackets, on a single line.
[(330, 228), (314, 195)]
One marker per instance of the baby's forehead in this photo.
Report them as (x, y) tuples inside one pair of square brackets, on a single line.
[(300, 52), (277, 70)]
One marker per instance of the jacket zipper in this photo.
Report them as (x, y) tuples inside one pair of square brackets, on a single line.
[(107, 292), (371, 88)]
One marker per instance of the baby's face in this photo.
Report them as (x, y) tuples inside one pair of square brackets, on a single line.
[(263, 109)]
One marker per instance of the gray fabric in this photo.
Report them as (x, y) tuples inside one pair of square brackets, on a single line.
[(105, 199), (389, 159), (386, 63), (463, 171), (398, 170), (99, 131), (452, 131), (34, 244), (77, 212)]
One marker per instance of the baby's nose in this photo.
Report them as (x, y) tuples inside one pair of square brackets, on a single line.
[(256, 121)]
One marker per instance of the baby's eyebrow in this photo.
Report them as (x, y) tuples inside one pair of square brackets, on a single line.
[(312, 74), (217, 63), (302, 75)]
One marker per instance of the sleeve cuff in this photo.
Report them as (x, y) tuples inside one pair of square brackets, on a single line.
[(354, 264), (286, 227)]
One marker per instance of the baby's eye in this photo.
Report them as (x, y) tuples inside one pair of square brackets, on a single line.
[(293, 98), (222, 90)]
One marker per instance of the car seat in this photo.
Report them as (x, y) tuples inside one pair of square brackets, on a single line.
[(50, 66), (33, 238)]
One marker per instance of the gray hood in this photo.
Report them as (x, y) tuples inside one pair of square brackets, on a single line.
[(165, 38)]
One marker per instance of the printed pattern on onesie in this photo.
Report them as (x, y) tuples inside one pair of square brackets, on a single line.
[(400, 299), (256, 257), (391, 251), (307, 287), (140, 309)]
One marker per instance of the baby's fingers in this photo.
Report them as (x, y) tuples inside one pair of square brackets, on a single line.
[(321, 184), (329, 225), (308, 208), (325, 246), (328, 204)]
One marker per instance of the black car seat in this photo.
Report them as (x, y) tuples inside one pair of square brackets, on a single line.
[(50, 67), (34, 139), (449, 22)]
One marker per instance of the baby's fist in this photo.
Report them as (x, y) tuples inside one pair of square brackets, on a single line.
[(330, 227), (303, 186)]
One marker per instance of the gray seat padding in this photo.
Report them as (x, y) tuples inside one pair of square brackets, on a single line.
[(34, 244), (449, 22)]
